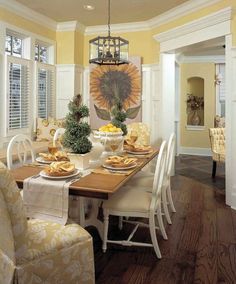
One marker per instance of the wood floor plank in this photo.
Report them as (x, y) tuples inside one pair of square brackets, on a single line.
[(135, 274), (226, 263), (225, 227), (206, 262)]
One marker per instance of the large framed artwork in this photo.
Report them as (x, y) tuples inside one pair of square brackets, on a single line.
[(111, 85)]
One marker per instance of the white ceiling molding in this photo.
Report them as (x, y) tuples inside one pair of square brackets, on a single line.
[(70, 26), (177, 12), (29, 14), (180, 11), (118, 28), (201, 59), (204, 22), (209, 27)]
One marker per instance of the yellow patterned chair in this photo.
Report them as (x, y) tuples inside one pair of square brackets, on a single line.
[(217, 139), (36, 251), (142, 130)]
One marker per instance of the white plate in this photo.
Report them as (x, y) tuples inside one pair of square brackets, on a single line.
[(109, 167), (43, 174), (139, 153), (42, 161)]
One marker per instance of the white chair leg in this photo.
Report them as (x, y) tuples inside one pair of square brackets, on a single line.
[(120, 222), (170, 200), (165, 207), (153, 236), (105, 233), (160, 223)]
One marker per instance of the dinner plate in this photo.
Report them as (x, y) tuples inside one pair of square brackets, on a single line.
[(109, 167), (42, 161), (45, 175), (139, 152)]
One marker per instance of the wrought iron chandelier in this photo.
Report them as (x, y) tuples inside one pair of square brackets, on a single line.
[(108, 50)]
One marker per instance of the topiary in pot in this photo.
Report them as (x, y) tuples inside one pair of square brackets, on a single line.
[(77, 130), (119, 116)]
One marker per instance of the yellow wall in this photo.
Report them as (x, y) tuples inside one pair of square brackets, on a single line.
[(191, 138), (27, 25), (65, 47)]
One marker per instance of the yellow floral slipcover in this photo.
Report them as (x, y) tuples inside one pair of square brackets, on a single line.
[(36, 251), (46, 128), (217, 140)]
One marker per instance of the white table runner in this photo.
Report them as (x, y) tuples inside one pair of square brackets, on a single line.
[(46, 199)]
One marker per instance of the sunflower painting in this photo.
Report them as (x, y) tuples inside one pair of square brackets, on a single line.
[(115, 85)]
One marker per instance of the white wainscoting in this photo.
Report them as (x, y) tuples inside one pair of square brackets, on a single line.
[(69, 83), (196, 151)]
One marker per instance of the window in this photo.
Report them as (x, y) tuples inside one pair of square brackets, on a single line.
[(220, 89), (13, 46), (45, 90), (17, 93), (22, 104), (41, 53)]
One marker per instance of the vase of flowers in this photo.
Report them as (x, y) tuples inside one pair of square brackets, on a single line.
[(194, 105), (76, 137)]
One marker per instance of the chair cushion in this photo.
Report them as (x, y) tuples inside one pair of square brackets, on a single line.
[(46, 237), (16, 211), (129, 199), (46, 128), (217, 139), (142, 179)]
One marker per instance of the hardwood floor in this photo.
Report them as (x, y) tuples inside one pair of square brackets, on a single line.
[(201, 245)]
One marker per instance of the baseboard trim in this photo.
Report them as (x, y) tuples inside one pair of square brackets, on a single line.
[(195, 151)]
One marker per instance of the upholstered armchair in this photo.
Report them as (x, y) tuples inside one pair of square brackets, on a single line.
[(217, 139), (142, 130), (35, 251)]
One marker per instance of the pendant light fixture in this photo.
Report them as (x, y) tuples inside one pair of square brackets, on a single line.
[(108, 50)]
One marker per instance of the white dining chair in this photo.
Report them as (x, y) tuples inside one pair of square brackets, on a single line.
[(59, 132), (21, 146), (130, 202), (145, 179)]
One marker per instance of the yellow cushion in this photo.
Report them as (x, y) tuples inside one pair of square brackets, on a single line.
[(46, 128)]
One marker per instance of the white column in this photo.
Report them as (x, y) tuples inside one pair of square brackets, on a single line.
[(69, 83), (167, 95), (230, 167)]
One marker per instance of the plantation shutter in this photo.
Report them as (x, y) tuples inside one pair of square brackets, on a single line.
[(17, 94), (46, 100)]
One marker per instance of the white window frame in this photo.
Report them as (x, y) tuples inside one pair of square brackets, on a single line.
[(51, 68), (28, 52), (21, 61), (218, 70)]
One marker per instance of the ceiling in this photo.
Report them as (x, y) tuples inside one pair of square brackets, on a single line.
[(122, 11)]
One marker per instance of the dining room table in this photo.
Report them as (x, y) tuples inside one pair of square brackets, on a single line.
[(96, 184)]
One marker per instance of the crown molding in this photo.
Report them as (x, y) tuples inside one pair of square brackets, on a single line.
[(177, 12), (117, 28), (171, 15), (70, 26), (180, 11), (204, 22), (27, 13), (201, 59)]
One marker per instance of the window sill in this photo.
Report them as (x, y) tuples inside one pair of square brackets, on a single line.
[(195, 127)]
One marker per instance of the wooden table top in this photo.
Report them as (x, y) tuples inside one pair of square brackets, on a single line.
[(93, 185)]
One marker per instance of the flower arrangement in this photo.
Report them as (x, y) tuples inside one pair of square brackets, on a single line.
[(194, 103)]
